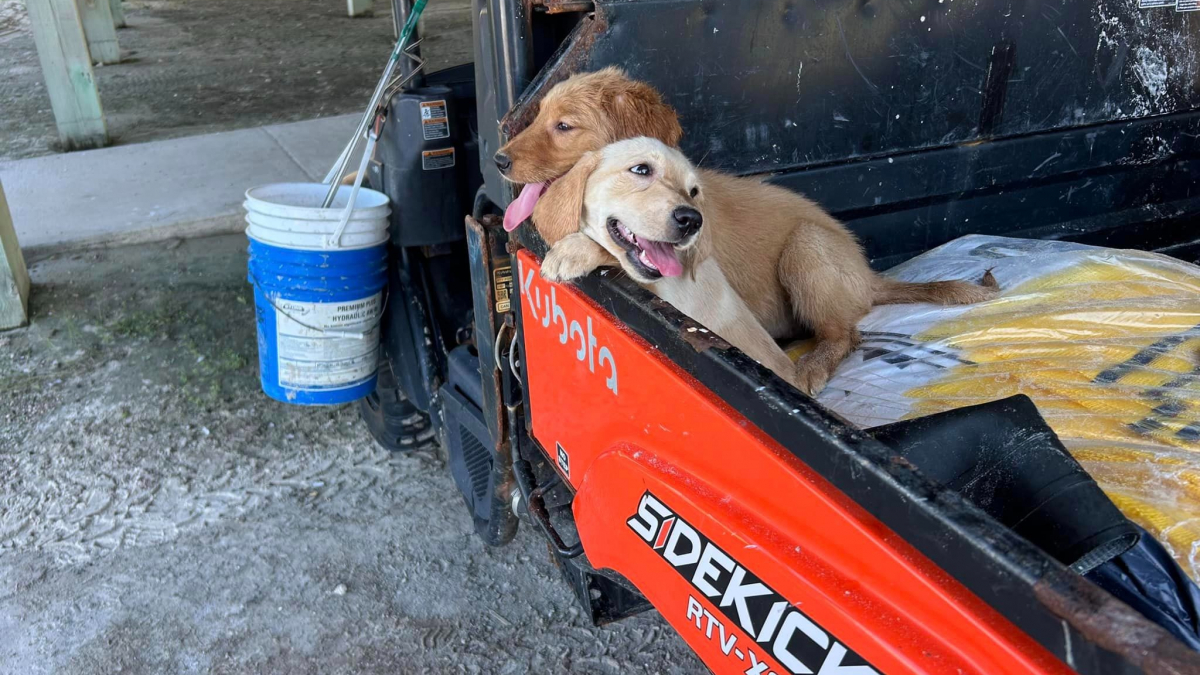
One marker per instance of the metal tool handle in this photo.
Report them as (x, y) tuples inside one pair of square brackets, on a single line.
[(333, 177), (335, 239)]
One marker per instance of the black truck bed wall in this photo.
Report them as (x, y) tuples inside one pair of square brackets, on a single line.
[(918, 122)]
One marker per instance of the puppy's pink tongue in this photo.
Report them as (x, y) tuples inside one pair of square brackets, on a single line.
[(662, 255), (522, 207)]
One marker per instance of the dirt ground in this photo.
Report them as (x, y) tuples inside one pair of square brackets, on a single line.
[(199, 66), (158, 514)]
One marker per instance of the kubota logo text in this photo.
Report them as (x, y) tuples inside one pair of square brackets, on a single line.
[(544, 308)]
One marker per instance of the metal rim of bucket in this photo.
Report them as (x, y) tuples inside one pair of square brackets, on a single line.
[(310, 235), (260, 199), (375, 222), (299, 231), (318, 243)]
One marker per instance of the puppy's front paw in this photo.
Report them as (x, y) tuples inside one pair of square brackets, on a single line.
[(560, 268), (573, 257), (811, 376)]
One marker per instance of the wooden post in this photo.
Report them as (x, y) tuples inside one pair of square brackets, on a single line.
[(67, 67), (118, 12), (100, 29), (14, 278), (358, 7)]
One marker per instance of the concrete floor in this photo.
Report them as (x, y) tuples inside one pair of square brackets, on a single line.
[(204, 106), (176, 187), (203, 66), (158, 514)]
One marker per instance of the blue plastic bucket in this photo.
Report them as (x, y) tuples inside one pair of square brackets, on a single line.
[(317, 306)]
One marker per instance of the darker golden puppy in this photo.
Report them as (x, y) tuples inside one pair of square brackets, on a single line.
[(584, 113)]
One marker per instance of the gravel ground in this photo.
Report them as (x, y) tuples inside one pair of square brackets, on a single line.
[(158, 514), (200, 66)]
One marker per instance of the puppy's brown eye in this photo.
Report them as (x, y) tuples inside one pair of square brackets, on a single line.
[(695, 191), (563, 126), (640, 169)]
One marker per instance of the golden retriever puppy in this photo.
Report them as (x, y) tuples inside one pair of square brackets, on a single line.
[(641, 202), (796, 267), (584, 113)]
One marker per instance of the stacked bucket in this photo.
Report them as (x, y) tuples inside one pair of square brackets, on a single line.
[(318, 263), (319, 276)]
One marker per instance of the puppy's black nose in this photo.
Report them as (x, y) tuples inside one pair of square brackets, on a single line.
[(688, 220), (503, 162)]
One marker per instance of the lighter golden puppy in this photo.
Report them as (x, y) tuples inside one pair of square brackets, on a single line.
[(797, 268), (642, 203)]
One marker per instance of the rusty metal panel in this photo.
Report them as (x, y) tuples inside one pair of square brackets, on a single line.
[(918, 123), (765, 85)]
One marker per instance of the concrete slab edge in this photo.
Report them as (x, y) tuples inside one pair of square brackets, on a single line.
[(207, 227)]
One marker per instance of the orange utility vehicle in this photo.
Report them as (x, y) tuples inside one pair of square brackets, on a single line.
[(668, 470)]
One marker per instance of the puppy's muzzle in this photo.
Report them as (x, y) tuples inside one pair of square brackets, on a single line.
[(687, 221)]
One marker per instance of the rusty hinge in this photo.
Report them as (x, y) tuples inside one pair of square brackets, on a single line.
[(563, 6)]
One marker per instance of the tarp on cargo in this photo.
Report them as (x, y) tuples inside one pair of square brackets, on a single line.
[(1106, 343)]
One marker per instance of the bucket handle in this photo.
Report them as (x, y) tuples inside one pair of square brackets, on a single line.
[(335, 239), (362, 335)]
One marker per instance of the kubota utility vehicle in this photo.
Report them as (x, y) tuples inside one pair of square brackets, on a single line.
[(669, 471)]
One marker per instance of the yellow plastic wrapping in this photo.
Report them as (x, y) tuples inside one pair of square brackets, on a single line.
[(1105, 342)]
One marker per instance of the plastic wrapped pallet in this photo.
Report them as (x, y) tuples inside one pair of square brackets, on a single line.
[(1106, 342)]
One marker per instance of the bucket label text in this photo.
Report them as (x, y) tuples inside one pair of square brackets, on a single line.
[(327, 345)]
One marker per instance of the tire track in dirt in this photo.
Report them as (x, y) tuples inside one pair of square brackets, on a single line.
[(76, 514)]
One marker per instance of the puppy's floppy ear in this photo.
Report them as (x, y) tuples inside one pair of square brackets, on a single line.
[(558, 212), (637, 109)]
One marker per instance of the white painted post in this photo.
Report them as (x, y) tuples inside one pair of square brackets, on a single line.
[(100, 29), (118, 12), (358, 7), (67, 67), (14, 278)]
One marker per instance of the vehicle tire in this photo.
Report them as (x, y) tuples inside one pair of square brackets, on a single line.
[(393, 421)]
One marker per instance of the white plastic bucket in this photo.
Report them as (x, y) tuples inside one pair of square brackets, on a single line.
[(290, 215), (319, 276)]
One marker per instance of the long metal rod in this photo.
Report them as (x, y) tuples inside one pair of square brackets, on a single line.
[(332, 178), (402, 10)]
